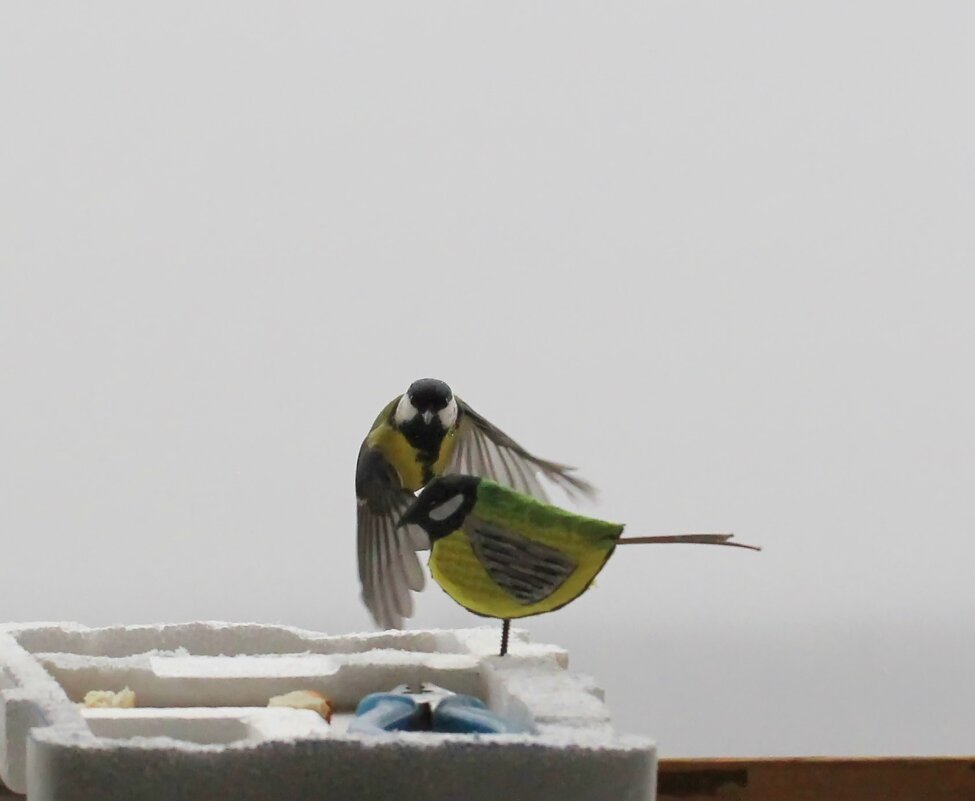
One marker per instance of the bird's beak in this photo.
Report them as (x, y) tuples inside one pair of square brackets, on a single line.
[(427, 417)]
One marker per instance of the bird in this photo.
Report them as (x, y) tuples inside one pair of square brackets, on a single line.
[(420, 435), (503, 554)]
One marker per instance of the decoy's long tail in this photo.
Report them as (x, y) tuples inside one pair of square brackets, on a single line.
[(699, 539)]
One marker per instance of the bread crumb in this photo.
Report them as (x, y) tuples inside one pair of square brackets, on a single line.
[(124, 699), (305, 699)]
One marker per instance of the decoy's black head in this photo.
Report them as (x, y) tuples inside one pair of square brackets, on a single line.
[(425, 412), (443, 505)]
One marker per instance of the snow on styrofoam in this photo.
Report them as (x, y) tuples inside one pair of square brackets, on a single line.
[(200, 729)]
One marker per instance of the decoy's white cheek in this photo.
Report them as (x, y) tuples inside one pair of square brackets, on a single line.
[(440, 513)]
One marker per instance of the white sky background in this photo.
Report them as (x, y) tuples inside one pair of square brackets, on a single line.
[(719, 255)]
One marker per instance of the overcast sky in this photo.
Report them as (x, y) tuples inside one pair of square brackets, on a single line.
[(719, 255)]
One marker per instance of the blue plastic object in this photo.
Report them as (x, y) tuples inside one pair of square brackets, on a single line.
[(379, 713), (465, 714)]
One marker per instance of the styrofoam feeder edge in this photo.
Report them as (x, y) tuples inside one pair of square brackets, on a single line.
[(45, 739)]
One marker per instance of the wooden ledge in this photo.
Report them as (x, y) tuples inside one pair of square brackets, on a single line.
[(818, 779)]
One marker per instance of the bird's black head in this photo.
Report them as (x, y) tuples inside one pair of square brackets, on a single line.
[(425, 412), (429, 395), (442, 505)]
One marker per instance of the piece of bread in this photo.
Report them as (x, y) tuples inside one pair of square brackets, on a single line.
[(305, 699), (124, 699)]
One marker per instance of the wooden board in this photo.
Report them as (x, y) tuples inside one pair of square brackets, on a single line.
[(817, 779), (808, 779)]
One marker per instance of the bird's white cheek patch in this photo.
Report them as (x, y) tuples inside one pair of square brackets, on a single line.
[(448, 414), (405, 410), (446, 509)]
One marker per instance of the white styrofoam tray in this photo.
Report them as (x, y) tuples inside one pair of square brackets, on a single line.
[(202, 730)]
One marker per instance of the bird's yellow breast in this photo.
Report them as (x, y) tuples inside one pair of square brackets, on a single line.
[(414, 472), (456, 568), (447, 446)]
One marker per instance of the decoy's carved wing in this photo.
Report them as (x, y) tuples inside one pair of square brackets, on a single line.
[(483, 449), (389, 567), (528, 571)]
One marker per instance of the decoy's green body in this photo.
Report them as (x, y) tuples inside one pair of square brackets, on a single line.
[(503, 554)]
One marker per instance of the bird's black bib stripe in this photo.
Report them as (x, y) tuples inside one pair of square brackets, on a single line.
[(427, 439), (528, 571), (426, 395)]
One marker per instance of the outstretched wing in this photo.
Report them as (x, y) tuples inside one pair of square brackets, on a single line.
[(388, 563), (528, 571), (483, 449)]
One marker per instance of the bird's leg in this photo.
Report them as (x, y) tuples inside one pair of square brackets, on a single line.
[(505, 626), (700, 539)]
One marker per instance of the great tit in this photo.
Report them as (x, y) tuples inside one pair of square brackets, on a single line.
[(424, 433), (500, 553)]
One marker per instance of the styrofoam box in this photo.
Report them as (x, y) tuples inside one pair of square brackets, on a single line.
[(202, 729)]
